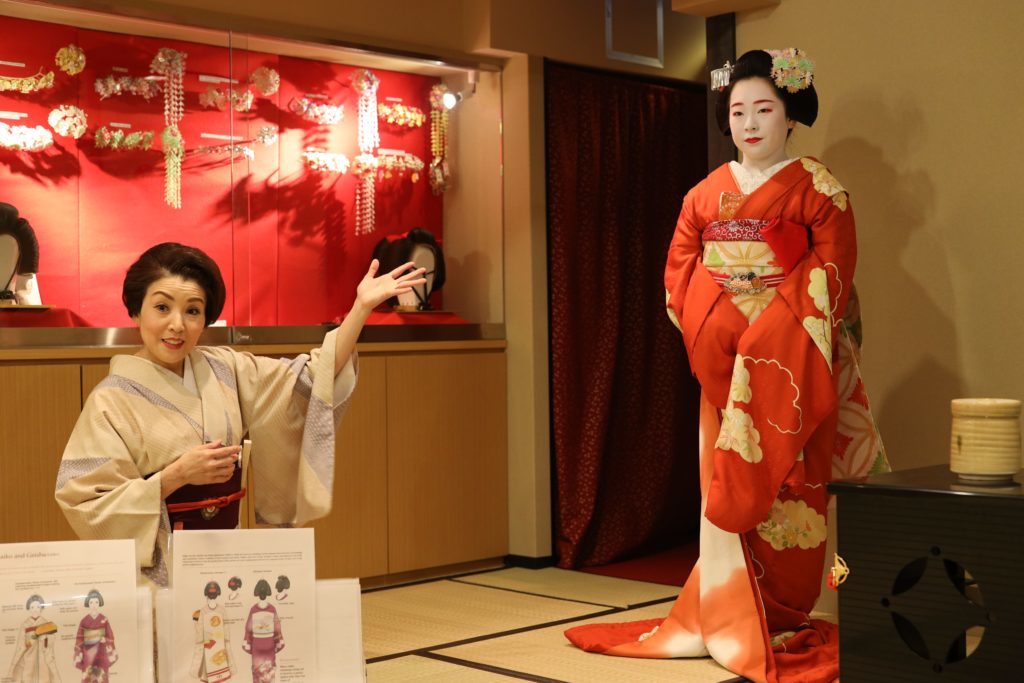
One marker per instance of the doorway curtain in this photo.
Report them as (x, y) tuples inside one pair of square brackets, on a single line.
[(622, 151)]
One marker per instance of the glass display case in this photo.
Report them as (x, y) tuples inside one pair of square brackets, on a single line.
[(291, 163)]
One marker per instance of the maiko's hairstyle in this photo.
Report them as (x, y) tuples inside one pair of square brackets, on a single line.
[(262, 589), (93, 594), (801, 106), (34, 598), (212, 590), (28, 246), (394, 250), (234, 583), (170, 259), (283, 583)]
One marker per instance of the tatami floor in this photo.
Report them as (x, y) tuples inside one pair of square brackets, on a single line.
[(506, 625)]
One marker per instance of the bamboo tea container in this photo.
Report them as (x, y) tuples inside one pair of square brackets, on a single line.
[(985, 444)]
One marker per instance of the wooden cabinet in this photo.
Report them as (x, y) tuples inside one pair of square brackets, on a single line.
[(421, 471)]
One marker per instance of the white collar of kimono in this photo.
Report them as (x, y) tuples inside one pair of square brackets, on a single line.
[(188, 378), (749, 180)]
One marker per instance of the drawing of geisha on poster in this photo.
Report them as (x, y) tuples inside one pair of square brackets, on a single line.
[(241, 596), (60, 604)]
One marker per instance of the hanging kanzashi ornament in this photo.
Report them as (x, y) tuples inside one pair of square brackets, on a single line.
[(171, 65), (365, 83), (439, 174)]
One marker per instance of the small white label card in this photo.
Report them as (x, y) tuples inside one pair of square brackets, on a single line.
[(69, 611), (244, 603)]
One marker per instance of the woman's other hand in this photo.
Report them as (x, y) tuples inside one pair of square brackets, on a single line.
[(210, 463)]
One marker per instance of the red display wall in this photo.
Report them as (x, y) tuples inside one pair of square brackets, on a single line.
[(283, 235)]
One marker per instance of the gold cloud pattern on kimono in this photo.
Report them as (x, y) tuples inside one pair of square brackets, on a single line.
[(792, 524), (825, 182), (738, 434)]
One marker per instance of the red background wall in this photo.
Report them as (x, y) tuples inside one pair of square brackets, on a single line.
[(283, 236)]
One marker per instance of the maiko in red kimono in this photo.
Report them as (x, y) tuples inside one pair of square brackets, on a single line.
[(758, 284)]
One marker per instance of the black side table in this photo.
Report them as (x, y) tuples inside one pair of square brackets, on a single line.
[(936, 584)]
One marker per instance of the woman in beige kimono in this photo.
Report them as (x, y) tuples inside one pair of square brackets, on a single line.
[(34, 660), (157, 446)]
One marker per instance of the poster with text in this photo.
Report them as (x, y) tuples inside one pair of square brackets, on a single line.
[(244, 606), (69, 612)]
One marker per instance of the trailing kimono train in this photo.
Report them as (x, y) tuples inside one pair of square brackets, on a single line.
[(759, 277), (142, 417)]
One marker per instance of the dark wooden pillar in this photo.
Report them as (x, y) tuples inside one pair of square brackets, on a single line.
[(721, 46)]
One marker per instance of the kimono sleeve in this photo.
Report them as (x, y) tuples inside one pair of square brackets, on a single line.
[(291, 409), (99, 486)]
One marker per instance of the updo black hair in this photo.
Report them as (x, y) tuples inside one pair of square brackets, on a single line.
[(801, 106), (28, 246), (212, 590), (168, 259), (94, 594), (262, 589)]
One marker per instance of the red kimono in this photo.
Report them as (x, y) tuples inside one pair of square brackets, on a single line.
[(758, 284)]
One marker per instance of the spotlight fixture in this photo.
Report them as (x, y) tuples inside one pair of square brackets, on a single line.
[(451, 99)]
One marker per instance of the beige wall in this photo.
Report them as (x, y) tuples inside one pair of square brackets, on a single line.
[(920, 119)]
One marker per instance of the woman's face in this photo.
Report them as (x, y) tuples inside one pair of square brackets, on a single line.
[(94, 604), (172, 317), (757, 121), (35, 609)]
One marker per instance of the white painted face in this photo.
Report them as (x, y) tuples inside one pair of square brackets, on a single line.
[(758, 123), (172, 317), (36, 608)]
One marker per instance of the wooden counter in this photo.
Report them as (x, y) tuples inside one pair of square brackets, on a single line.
[(421, 475)]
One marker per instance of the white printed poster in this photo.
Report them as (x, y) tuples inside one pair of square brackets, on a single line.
[(244, 606), (69, 612)]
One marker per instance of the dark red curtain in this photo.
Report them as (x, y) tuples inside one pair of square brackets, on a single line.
[(622, 152)]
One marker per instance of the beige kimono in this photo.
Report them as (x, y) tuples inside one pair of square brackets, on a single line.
[(142, 417)]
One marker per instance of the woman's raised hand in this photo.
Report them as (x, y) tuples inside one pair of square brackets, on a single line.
[(210, 463), (374, 290)]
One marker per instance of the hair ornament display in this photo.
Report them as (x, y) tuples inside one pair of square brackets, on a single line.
[(171, 65), (232, 149), (792, 69), (68, 120), (321, 114), (24, 138), (214, 98), (266, 80), (70, 59), (398, 114), (119, 141), (322, 161), (27, 84), (439, 174), (146, 88), (392, 164)]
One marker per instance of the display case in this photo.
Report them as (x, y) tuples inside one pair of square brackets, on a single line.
[(289, 162)]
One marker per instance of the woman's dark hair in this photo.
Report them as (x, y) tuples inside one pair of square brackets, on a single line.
[(34, 598), (283, 583), (262, 590), (801, 106), (28, 246), (93, 594), (169, 259), (234, 583), (394, 250), (212, 590)]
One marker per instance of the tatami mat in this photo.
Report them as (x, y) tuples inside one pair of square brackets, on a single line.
[(414, 617), (424, 670), (570, 585), (545, 652)]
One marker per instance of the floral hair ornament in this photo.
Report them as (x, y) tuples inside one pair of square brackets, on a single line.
[(365, 83), (68, 120), (71, 59), (322, 114), (171, 65), (792, 69), (27, 84), (439, 173), (398, 114), (119, 141), (212, 98), (720, 77), (323, 161), (24, 139), (146, 88), (265, 80)]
